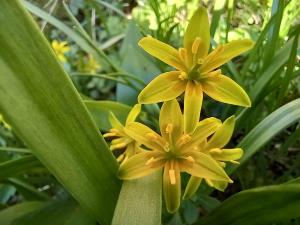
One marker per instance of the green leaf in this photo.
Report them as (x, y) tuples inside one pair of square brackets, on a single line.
[(258, 206), (100, 112), (65, 212), (140, 202), (267, 129), (7, 216), (40, 102), (17, 166)]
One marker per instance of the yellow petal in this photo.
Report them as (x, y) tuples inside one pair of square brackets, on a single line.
[(114, 122), (219, 185), (144, 135), (165, 87), (162, 51), (222, 135), (205, 167), (172, 186), (227, 154), (171, 120), (224, 89), (198, 27), (136, 166), (192, 187), (134, 112), (204, 129), (192, 106), (55, 44), (225, 53)]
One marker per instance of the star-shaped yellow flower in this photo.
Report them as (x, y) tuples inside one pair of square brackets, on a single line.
[(174, 151), (120, 139), (214, 148), (197, 70), (60, 48)]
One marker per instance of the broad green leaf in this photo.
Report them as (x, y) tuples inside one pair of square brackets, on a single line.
[(140, 202), (7, 216), (267, 129), (38, 99), (66, 212), (258, 206), (100, 112)]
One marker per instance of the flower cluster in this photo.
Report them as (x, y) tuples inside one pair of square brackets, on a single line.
[(184, 144)]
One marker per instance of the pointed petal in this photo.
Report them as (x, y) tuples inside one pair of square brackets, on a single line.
[(222, 135), (171, 120), (219, 185), (134, 112), (206, 167), (198, 27), (172, 186), (114, 122), (136, 167), (204, 129), (223, 89), (192, 106), (225, 53), (162, 51), (165, 87), (227, 154), (144, 135), (192, 187)]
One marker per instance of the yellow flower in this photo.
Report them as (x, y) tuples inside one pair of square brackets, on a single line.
[(197, 70), (214, 148), (174, 151), (120, 139), (60, 48), (91, 65)]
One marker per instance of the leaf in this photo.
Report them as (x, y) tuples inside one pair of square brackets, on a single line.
[(100, 112), (43, 107), (258, 206), (277, 121), (140, 202), (17, 166), (65, 212), (7, 216)]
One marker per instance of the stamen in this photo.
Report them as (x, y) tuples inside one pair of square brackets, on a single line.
[(182, 76), (172, 177), (120, 158), (167, 147), (182, 54), (200, 61), (113, 130), (169, 128), (195, 45), (184, 139), (215, 150)]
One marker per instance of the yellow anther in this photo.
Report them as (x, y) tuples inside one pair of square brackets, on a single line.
[(195, 45), (169, 128), (184, 139), (182, 76), (118, 146), (172, 177), (151, 160), (200, 61), (167, 147), (182, 54), (215, 150)]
